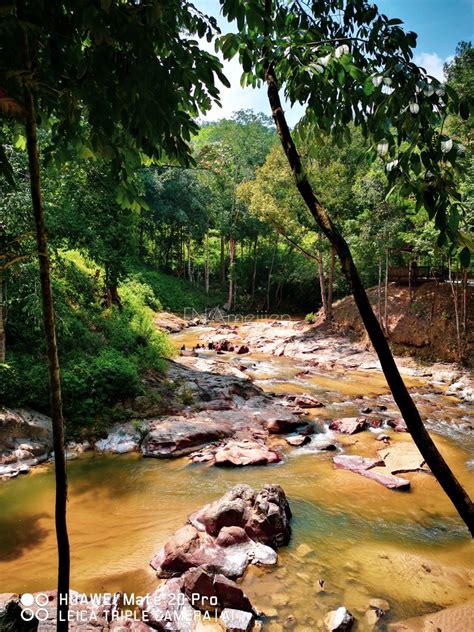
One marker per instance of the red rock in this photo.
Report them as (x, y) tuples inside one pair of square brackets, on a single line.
[(246, 452), (398, 425), (281, 423), (298, 440), (243, 349), (236, 620), (348, 425), (304, 401), (175, 555), (364, 467)]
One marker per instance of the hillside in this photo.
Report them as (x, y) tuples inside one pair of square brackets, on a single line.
[(424, 327)]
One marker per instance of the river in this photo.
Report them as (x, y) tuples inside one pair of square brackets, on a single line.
[(362, 539)]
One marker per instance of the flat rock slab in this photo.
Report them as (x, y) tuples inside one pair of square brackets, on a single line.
[(456, 619), (403, 457), (245, 452), (365, 467), (176, 436)]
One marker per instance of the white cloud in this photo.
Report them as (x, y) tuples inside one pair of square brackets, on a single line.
[(433, 64)]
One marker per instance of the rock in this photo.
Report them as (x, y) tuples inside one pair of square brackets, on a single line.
[(228, 554), (245, 452), (168, 609), (170, 322), (176, 435), (379, 604), (298, 440), (403, 457), (25, 440), (265, 515), (123, 624), (304, 401), (338, 620), (348, 425), (398, 425), (120, 440), (175, 556), (373, 616), (236, 620), (281, 423), (383, 437), (230, 595), (243, 349), (198, 586), (364, 467), (455, 619)]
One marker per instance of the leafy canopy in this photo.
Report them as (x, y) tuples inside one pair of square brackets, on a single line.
[(345, 61), (115, 79)]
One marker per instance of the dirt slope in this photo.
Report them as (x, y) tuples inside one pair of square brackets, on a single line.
[(424, 327)]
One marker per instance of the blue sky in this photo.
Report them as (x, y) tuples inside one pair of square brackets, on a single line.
[(440, 25)]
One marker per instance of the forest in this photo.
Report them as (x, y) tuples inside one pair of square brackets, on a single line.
[(119, 201)]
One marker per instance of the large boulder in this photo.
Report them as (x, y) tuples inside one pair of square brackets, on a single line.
[(228, 554), (120, 440), (177, 436), (236, 620), (264, 515), (167, 609), (26, 439), (208, 592)]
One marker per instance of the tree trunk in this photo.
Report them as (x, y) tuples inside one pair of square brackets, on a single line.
[(331, 281), (322, 286), (230, 296), (3, 349), (190, 261), (52, 356), (379, 294), (270, 270), (464, 303), (254, 273), (206, 265), (410, 414), (386, 295), (454, 292), (222, 260)]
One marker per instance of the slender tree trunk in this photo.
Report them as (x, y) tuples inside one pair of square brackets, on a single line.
[(331, 280), (379, 294), (206, 265), (270, 270), (222, 260), (387, 332), (410, 414), (464, 302), (230, 296), (190, 261), (52, 355), (409, 283), (322, 287), (454, 292), (3, 348), (254, 273)]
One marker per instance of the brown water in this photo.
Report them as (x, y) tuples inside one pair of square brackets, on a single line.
[(362, 539)]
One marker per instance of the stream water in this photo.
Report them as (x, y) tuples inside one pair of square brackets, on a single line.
[(361, 538)]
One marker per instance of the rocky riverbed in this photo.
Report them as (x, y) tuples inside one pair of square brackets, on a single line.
[(316, 412)]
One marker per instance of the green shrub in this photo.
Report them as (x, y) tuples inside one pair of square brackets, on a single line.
[(93, 385), (310, 318), (9, 384)]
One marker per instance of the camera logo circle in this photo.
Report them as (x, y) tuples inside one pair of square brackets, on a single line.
[(39, 613)]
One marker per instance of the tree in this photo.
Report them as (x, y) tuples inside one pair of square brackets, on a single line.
[(89, 71), (335, 58)]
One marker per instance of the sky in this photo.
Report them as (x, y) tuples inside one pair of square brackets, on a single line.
[(440, 25)]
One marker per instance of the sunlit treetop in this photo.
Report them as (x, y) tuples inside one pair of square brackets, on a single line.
[(116, 79), (347, 62)]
